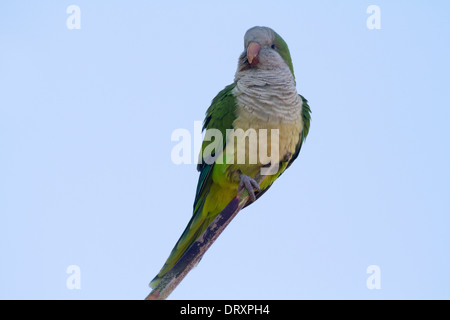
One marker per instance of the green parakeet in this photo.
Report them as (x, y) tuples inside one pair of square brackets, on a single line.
[(262, 96)]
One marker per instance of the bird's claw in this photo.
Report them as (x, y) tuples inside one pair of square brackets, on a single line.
[(250, 185)]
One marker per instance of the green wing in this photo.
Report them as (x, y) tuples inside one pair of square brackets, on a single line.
[(306, 114), (220, 115)]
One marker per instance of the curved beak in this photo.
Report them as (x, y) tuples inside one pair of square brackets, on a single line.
[(253, 52)]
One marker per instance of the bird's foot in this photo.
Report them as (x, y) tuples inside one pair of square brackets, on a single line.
[(250, 185)]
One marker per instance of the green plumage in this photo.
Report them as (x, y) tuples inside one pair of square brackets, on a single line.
[(215, 189), (220, 115)]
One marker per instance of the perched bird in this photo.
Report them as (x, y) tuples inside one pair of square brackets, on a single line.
[(262, 96)]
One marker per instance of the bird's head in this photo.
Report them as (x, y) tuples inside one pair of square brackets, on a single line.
[(264, 49)]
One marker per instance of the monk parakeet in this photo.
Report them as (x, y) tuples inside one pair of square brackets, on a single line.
[(262, 96)]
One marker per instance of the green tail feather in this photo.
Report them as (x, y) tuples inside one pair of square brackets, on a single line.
[(220, 115), (193, 230)]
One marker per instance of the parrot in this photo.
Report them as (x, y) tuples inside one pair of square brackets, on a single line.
[(262, 96)]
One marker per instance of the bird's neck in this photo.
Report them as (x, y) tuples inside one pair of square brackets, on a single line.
[(270, 95)]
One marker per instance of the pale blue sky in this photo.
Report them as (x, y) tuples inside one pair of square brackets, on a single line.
[(86, 176)]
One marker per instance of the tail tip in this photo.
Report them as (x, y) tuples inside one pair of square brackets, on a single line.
[(154, 282)]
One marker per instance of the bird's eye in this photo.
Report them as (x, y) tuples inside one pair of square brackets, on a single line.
[(272, 46)]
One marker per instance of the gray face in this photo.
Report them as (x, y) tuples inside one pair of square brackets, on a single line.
[(262, 35), (268, 57)]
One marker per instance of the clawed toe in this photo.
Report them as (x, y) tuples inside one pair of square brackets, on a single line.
[(250, 185)]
